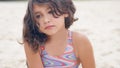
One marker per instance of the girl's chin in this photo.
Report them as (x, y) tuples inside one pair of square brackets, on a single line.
[(50, 33)]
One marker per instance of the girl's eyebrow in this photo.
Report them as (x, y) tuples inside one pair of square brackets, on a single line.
[(37, 12)]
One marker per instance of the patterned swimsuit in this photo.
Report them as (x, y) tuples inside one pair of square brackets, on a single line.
[(66, 60)]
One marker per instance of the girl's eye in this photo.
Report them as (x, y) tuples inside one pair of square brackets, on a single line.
[(51, 12), (37, 16)]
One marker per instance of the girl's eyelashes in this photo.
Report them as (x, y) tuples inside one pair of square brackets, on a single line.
[(37, 16), (51, 12)]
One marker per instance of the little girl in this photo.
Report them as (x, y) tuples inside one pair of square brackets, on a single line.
[(47, 41)]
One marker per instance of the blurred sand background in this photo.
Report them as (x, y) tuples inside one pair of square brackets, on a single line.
[(98, 20)]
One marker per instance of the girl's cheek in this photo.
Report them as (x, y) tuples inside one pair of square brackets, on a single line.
[(38, 23), (41, 26)]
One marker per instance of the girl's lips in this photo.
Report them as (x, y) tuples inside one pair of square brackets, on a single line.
[(49, 27)]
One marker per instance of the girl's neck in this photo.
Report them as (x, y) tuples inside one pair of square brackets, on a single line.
[(60, 35)]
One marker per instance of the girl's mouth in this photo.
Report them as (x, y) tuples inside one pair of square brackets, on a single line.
[(49, 27)]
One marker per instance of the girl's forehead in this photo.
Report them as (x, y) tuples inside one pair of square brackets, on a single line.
[(41, 5), (40, 8)]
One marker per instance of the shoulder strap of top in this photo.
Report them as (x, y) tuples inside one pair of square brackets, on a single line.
[(42, 47), (69, 36)]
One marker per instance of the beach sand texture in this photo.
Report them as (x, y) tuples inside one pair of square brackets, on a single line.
[(98, 20)]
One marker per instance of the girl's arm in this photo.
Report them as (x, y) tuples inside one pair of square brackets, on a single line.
[(84, 51), (33, 59)]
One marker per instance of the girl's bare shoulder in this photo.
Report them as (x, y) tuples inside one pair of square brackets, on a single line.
[(80, 38), (84, 50), (81, 42)]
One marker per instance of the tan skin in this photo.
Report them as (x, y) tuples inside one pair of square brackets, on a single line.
[(57, 41)]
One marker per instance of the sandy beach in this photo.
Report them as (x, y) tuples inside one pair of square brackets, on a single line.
[(98, 20)]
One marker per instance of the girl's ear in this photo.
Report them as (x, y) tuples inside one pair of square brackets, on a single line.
[(65, 15)]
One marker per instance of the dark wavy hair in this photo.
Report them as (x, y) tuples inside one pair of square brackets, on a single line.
[(31, 32)]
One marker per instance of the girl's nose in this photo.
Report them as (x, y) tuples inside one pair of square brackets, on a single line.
[(46, 19)]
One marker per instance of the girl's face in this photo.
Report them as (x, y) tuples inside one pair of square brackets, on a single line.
[(48, 24)]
